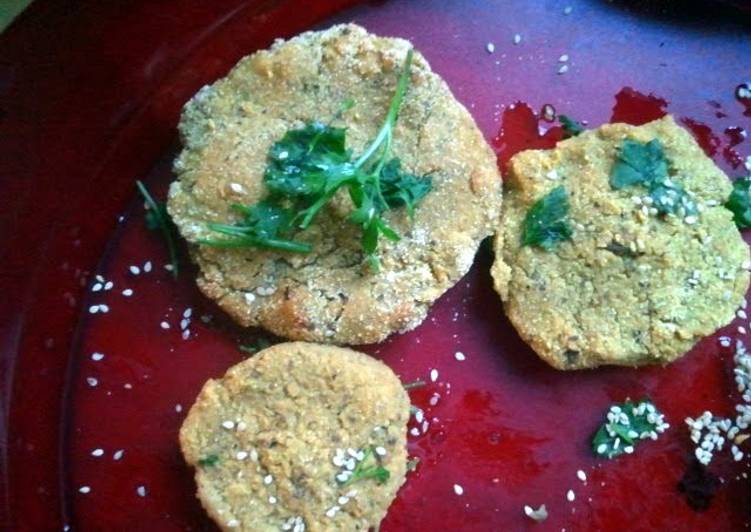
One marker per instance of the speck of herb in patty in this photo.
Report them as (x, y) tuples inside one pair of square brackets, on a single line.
[(412, 463), (626, 424), (209, 460), (645, 164), (739, 202), (158, 218), (546, 223), (369, 467), (571, 127), (307, 167)]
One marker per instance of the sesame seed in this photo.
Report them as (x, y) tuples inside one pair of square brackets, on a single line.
[(135, 270), (92, 381), (93, 309), (343, 500), (141, 490), (434, 399), (380, 451), (254, 455), (567, 10), (164, 325), (97, 452), (229, 425), (490, 47), (117, 455), (581, 475), (460, 356), (127, 292), (241, 455), (563, 69), (433, 375), (103, 308), (517, 38), (108, 285), (570, 495), (419, 415), (331, 512), (233, 523), (147, 266), (186, 334), (84, 489), (602, 448), (241, 426), (268, 479), (188, 313), (414, 431), (236, 187), (96, 287), (178, 408), (563, 58), (96, 357), (184, 324), (458, 489)]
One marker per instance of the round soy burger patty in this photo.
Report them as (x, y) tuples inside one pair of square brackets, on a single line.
[(631, 286), (329, 295), (277, 440)]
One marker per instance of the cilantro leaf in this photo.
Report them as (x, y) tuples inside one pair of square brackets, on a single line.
[(304, 171), (368, 467), (546, 223), (571, 127), (625, 426), (209, 460), (158, 218), (739, 202), (645, 164)]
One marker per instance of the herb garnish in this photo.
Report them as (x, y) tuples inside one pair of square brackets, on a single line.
[(626, 424), (645, 164), (208, 461), (368, 467), (158, 218), (546, 223), (571, 127), (307, 167), (259, 345), (739, 202)]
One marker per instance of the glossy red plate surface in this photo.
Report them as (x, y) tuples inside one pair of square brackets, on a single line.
[(89, 98)]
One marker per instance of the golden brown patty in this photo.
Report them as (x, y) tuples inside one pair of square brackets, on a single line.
[(630, 288), (328, 295), (271, 440)]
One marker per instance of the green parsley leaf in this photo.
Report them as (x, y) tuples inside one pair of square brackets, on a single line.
[(571, 127), (739, 202), (307, 167), (645, 164), (546, 223), (158, 218), (209, 460), (368, 467), (625, 426)]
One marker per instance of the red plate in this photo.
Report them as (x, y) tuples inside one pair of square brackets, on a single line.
[(89, 98)]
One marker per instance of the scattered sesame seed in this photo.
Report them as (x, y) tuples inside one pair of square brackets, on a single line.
[(490, 47), (458, 489), (343, 500), (135, 270), (563, 69), (229, 425), (380, 451), (97, 452), (434, 399), (117, 455), (268, 479), (186, 334), (233, 523), (108, 285), (97, 287), (331, 512), (517, 38), (178, 408), (141, 490), (96, 357), (241, 426), (419, 415), (414, 431), (93, 309), (164, 325), (187, 313), (581, 475), (236, 187), (127, 292), (103, 308), (147, 266), (567, 10), (570, 495), (538, 515), (460, 356), (84, 489), (241, 455), (272, 500), (563, 58), (433, 375), (92, 381)]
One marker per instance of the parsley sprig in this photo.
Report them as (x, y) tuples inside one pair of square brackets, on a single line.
[(368, 467), (547, 221), (645, 164), (625, 425), (739, 202), (308, 166), (158, 218)]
